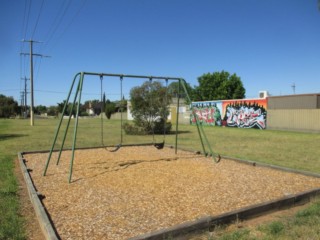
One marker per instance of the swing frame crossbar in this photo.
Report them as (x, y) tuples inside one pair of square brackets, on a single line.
[(76, 105)]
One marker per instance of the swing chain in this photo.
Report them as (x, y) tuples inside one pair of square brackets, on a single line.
[(101, 109)]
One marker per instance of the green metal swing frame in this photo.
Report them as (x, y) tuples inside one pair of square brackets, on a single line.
[(76, 104)]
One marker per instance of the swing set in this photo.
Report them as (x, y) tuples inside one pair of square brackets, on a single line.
[(79, 78)]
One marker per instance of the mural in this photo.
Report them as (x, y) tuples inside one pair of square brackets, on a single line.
[(208, 113), (245, 113)]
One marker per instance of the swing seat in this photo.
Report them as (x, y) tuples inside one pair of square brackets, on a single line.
[(159, 145), (117, 147)]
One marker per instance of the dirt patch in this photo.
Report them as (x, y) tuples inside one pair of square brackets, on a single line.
[(136, 190), (31, 224)]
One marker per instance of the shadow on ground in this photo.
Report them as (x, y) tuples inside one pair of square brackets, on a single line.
[(9, 136)]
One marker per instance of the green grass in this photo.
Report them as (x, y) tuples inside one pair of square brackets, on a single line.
[(289, 149), (305, 224)]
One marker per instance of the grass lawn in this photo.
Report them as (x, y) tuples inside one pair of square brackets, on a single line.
[(289, 149)]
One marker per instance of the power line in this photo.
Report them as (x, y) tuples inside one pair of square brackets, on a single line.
[(69, 24), (84, 93), (25, 30), (55, 26), (37, 67), (37, 21), (23, 25), (9, 90)]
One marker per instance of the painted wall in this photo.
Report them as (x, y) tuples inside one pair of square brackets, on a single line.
[(208, 113), (244, 113)]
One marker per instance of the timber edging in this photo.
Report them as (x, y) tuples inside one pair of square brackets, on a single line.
[(41, 213)]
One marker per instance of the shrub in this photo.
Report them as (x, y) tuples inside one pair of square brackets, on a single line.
[(132, 129), (159, 127)]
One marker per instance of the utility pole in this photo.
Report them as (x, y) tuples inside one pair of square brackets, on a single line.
[(22, 101), (31, 76), (25, 105), (293, 88)]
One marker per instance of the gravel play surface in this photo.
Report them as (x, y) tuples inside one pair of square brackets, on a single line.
[(136, 190)]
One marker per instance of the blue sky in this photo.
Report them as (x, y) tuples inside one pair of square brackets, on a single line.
[(269, 44)]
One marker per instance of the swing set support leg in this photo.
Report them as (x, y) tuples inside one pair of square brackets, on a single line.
[(177, 120), (59, 125), (68, 124), (76, 127), (200, 130)]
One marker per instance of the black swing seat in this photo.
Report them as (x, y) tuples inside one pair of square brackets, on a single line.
[(117, 147), (159, 145)]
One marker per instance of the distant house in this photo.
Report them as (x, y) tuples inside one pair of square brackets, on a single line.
[(90, 110)]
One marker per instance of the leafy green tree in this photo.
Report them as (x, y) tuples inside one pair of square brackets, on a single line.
[(110, 107), (122, 105), (68, 109), (8, 106), (96, 105), (52, 111), (219, 86), (149, 105), (40, 109), (173, 89)]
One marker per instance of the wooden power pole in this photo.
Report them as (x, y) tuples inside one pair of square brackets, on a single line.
[(31, 77)]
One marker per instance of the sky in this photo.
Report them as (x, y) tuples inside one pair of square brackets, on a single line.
[(271, 45)]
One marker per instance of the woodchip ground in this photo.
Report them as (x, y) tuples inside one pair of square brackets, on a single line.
[(136, 190)]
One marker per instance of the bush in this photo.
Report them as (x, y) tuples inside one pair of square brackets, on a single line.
[(159, 127), (134, 129), (84, 114), (109, 109)]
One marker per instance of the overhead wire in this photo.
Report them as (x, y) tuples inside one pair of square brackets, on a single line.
[(51, 33), (37, 21), (58, 20), (25, 23), (23, 26), (28, 15), (70, 23)]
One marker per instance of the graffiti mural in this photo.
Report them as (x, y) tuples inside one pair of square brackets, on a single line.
[(245, 113), (208, 113)]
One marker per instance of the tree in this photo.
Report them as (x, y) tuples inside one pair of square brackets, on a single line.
[(53, 111), (96, 105), (173, 89), (68, 108), (150, 106), (219, 86), (110, 107), (40, 109), (8, 107)]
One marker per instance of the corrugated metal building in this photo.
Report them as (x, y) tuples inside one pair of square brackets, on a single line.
[(299, 112)]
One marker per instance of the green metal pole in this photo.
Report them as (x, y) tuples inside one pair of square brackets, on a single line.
[(202, 133), (76, 127), (121, 109), (59, 125), (195, 116), (68, 124), (199, 128), (177, 119)]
